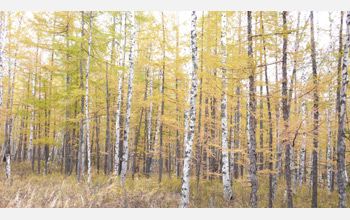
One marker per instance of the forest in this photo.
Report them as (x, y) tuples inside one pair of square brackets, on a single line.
[(174, 109)]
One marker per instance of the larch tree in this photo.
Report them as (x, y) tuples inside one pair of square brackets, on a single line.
[(285, 108), (251, 129), (315, 115), (341, 148), (270, 163)]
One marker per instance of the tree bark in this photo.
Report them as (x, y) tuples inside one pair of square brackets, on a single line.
[(270, 163), (341, 147), (224, 136), (128, 103), (162, 106), (81, 152), (315, 113), (87, 101), (285, 106), (108, 137), (149, 123), (252, 120), (117, 121), (185, 189)]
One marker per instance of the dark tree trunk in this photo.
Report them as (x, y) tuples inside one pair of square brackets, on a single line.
[(252, 119), (285, 108), (315, 113), (108, 155)]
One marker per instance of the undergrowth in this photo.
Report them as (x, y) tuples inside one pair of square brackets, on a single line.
[(26, 189)]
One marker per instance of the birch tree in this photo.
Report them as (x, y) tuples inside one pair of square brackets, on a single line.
[(128, 102), (224, 142), (81, 152), (120, 81), (185, 189), (87, 101), (303, 142)]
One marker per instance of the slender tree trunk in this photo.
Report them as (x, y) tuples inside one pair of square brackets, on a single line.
[(224, 136), (138, 131), (87, 102), (67, 149), (128, 103), (185, 189), (270, 163), (278, 145), (339, 67), (149, 125), (329, 145), (252, 119), (81, 152), (30, 148), (162, 106), (285, 106), (117, 122), (293, 85), (108, 138), (199, 143), (238, 111), (341, 147), (315, 112)]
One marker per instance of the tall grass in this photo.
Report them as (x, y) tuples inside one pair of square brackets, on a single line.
[(26, 190)]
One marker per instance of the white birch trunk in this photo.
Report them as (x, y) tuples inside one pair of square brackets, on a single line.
[(30, 149), (329, 146), (224, 143), (303, 142), (128, 102), (87, 101), (8, 164), (185, 189), (117, 129)]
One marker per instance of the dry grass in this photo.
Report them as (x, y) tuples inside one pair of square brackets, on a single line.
[(27, 190)]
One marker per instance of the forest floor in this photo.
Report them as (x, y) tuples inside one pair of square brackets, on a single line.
[(26, 189)]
